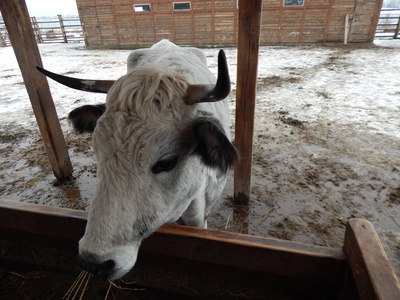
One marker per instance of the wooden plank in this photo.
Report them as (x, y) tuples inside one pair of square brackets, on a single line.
[(267, 255), (224, 38), (272, 3), (373, 273), (183, 28), (396, 33), (202, 28), (117, 1), (225, 4), (269, 36), (365, 19), (62, 28), (21, 35), (270, 25), (125, 25), (42, 219), (318, 2), (2, 40), (248, 46), (201, 5), (91, 26), (272, 256), (161, 7), (144, 28), (123, 8)]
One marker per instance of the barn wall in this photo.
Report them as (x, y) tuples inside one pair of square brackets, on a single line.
[(114, 23)]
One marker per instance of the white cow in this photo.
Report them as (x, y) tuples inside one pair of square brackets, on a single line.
[(163, 150)]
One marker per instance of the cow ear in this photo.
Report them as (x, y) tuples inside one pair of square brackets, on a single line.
[(84, 118), (212, 144)]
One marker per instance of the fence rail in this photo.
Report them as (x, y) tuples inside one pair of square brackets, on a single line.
[(389, 24), (70, 30), (58, 30)]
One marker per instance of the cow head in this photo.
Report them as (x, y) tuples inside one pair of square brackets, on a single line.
[(154, 153)]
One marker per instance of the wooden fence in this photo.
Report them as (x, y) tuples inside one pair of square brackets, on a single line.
[(70, 30), (389, 24), (58, 30), (128, 23)]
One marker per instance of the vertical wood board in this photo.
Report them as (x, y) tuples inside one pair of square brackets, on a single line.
[(22, 38), (248, 47), (374, 275)]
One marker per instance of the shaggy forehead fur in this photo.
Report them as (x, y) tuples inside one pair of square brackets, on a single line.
[(148, 92), (144, 119), (125, 141)]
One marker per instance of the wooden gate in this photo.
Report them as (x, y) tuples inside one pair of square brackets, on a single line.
[(389, 24)]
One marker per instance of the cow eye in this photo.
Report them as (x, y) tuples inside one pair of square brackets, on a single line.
[(165, 165)]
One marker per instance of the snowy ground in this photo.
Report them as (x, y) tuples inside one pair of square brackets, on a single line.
[(327, 139)]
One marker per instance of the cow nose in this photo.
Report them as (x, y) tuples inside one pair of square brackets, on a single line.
[(103, 269)]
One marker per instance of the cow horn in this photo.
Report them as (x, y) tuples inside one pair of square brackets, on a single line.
[(197, 93), (95, 86)]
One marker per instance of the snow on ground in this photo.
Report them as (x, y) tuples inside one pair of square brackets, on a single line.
[(326, 137)]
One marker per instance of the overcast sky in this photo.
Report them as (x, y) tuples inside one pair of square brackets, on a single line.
[(50, 8)]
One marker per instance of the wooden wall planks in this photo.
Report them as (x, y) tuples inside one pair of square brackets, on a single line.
[(114, 23)]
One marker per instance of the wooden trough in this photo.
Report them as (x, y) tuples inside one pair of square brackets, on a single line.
[(185, 262)]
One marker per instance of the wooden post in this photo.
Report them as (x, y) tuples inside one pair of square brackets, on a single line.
[(346, 28), (2, 40), (16, 18), (373, 273), (248, 45), (38, 35), (396, 32), (62, 28)]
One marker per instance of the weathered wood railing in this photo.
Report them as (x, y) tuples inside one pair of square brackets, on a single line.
[(389, 24), (56, 30)]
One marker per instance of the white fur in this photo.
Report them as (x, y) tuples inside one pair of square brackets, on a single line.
[(144, 122)]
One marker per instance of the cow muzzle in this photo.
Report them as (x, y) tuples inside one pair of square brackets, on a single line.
[(113, 264), (90, 263)]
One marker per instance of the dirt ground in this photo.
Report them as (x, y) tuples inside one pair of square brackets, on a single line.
[(311, 173)]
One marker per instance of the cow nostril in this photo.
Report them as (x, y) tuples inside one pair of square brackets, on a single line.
[(103, 269), (106, 268)]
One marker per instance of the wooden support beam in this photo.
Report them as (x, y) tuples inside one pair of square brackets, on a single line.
[(17, 21), (374, 275), (248, 46)]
